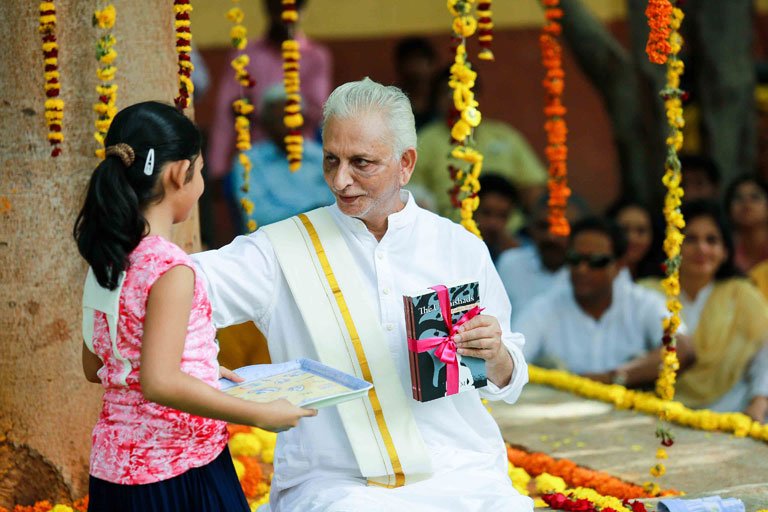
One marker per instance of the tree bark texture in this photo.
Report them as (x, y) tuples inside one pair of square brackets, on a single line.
[(47, 409)]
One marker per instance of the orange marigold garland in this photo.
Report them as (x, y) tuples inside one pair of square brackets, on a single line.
[(105, 107), (467, 116), (557, 131), (54, 106), (242, 106), (485, 30), (183, 25), (536, 463), (294, 121), (659, 13)]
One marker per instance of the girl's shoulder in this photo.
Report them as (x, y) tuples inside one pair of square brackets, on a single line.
[(156, 251)]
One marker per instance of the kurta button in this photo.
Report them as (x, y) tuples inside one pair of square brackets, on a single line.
[(385, 291), (380, 256), (390, 327)]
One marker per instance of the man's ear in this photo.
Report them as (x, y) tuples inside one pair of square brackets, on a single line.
[(407, 165), (175, 174)]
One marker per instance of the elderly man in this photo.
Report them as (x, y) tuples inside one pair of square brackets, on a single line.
[(328, 285)]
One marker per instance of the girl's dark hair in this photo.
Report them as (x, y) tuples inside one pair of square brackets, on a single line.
[(650, 264), (730, 192), (111, 223), (709, 208)]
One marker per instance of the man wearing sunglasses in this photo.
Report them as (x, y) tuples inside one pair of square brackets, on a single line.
[(593, 328)]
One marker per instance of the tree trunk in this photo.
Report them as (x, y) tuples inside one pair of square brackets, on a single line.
[(721, 43), (47, 409), (610, 69)]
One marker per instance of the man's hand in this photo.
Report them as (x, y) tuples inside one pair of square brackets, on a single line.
[(757, 409), (481, 338)]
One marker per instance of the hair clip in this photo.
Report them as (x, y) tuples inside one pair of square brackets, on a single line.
[(149, 165)]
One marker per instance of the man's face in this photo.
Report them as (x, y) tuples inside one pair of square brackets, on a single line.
[(360, 168), (492, 215), (551, 248), (593, 268)]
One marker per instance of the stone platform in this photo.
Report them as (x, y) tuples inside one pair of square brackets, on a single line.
[(622, 443)]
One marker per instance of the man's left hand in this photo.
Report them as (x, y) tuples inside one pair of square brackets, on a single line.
[(481, 338)]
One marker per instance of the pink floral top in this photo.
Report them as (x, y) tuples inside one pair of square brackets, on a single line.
[(136, 441)]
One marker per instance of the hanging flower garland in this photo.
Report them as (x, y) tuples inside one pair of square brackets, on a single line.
[(183, 25), (664, 19), (555, 126), (242, 106), (54, 106), (485, 30), (658, 13), (105, 107), (294, 121), (468, 117)]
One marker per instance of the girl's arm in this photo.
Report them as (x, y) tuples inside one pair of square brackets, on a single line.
[(163, 382), (91, 364)]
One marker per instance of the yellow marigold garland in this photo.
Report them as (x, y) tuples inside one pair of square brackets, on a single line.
[(555, 126), (183, 25), (739, 424), (105, 107), (242, 106), (54, 106), (294, 121), (664, 18), (468, 117)]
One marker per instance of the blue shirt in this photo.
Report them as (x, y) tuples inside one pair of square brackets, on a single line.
[(276, 192)]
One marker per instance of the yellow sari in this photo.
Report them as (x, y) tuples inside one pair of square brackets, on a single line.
[(731, 330)]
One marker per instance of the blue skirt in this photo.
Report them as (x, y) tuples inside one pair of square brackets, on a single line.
[(210, 488)]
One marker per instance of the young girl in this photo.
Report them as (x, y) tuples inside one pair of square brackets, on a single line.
[(161, 440)]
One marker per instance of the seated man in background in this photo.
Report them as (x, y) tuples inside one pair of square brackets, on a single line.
[(275, 191), (531, 270), (498, 203), (593, 328), (504, 150), (415, 61)]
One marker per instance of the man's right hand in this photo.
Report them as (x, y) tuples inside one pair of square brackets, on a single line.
[(281, 415)]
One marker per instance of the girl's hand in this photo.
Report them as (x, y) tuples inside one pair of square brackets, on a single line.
[(229, 375), (280, 415)]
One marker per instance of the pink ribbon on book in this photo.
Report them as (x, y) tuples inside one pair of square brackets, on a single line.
[(446, 346)]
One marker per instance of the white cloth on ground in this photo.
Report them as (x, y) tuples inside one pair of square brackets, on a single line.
[(314, 463)]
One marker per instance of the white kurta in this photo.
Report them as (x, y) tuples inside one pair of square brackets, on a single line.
[(558, 332), (525, 277), (315, 468)]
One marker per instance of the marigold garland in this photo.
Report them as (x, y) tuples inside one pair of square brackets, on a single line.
[(242, 106), (183, 25), (485, 30), (665, 18), (468, 117), (555, 126), (54, 106), (105, 107), (576, 476), (658, 13), (739, 424), (294, 121)]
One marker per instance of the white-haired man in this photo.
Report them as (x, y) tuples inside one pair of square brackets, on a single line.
[(328, 285)]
